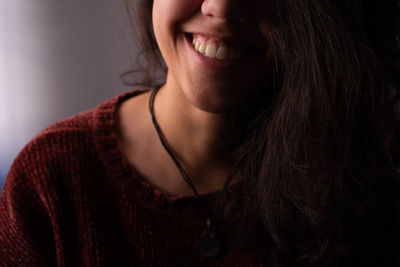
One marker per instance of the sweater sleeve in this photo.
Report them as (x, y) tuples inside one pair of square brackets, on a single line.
[(26, 237)]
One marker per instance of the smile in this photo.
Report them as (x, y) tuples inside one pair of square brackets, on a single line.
[(216, 49)]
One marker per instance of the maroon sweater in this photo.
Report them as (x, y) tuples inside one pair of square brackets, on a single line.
[(71, 199)]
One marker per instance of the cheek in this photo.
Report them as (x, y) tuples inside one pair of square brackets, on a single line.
[(174, 11), (264, 17), (167, 16)]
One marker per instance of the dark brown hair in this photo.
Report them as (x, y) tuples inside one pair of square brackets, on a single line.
[(321, 160)]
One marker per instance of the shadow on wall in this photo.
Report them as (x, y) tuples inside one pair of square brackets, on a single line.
[(57, 58)]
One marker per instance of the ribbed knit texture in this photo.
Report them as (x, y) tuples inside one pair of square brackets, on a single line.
[(72, 199)]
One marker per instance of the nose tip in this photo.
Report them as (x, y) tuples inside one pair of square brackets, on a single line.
[(232, 10)]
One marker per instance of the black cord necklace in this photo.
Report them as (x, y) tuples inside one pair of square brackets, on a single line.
[(211, 242)]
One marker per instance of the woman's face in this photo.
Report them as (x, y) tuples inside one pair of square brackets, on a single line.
[(218, 52)]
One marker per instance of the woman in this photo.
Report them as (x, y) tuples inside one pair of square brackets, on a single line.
[(272, 142)]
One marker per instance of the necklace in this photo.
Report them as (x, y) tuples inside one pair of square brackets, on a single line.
[(211, 242)]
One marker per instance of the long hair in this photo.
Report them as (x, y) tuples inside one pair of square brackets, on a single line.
[(321, 160)]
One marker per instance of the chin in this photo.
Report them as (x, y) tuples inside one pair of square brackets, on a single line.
[(218, 99)]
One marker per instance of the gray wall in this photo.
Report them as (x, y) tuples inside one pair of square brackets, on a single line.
[(57, 58)]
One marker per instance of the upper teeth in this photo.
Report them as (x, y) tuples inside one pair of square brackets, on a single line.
[(211, 49)]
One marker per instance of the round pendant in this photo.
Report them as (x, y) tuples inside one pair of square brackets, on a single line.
[(210, 244)]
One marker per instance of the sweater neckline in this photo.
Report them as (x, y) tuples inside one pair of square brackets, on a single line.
[(121, 172)]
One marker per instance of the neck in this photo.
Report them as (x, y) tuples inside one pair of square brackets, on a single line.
[(202, 142)]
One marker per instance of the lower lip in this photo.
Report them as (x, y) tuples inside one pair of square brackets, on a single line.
[(209, 62)]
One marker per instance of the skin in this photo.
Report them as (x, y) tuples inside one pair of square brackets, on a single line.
[(204, 106)]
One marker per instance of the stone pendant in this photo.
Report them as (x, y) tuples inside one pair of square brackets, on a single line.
[(210, 244)]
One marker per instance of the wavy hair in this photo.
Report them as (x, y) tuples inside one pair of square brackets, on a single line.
[(322, 159)]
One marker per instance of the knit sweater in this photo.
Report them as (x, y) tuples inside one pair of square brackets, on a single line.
[(72, 199)]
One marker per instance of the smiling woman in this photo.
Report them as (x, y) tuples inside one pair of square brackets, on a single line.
[(213, 84), (271, 142)]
